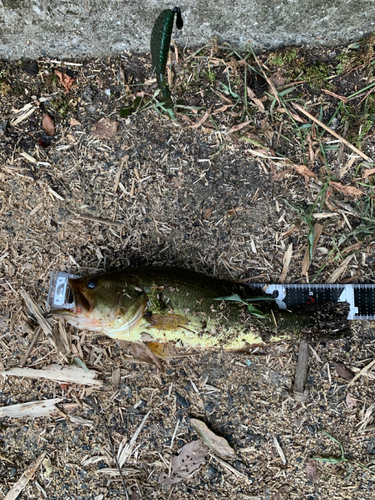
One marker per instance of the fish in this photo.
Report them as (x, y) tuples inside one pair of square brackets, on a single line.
[(173, 305)]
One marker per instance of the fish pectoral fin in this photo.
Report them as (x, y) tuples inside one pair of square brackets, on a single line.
[(160, 350), (167, 321)]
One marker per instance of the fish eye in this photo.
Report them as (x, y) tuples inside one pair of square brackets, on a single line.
[(91, 283)]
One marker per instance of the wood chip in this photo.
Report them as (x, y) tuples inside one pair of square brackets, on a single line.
[(299, 391), (340, 270), (28, 157), (286, 261), (37, 312), (116, 375), (70, 374), (24, 479), (31, 409), (364, 371), (124, 161), (279, 450), (23, 113)]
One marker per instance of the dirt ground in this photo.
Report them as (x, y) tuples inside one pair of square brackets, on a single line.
[(234, 186)]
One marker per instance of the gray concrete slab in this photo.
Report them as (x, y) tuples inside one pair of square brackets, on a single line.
[(91, 28)]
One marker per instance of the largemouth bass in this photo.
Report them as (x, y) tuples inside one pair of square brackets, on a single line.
[(154, 304)]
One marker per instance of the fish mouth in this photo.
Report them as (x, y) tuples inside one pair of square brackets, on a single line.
[(81, 301)]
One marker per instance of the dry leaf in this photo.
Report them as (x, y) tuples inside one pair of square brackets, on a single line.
[(286, 261), (236, 128), (350, 401), (142, 352), (347, 190), (203, 119), (116, 375), (366, 174), (318, 228), (311, 470), (256, 101), (303, 170), (74, 122), (67, 81), (217, 444), (207, 213), (327, 202), (343, 371), (161, 350), (190, 457), (48, 124), (104, 129), (192, 100), (277, 79), (282, 493), (222, 109), (280, 176), (176, 183), (345, 168), (352, 248)]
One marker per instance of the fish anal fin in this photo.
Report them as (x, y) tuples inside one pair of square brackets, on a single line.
[(160, 350), (167, 322)]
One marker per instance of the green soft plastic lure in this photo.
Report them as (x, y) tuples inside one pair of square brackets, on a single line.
[(160, 43)]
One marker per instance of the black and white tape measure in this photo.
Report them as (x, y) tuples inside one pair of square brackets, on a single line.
[(361, 298)]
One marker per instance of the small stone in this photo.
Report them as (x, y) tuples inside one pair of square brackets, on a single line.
[(125, 390), (210, 407), (181, 400), (3, 127)]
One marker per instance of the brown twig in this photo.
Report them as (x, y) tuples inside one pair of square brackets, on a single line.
[(332, 132), (299, 391), (341, 97), (354, 69), (107, 222), (124, 161), (31, 346)]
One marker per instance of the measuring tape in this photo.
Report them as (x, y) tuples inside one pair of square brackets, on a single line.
[(361, 298)]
